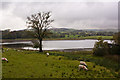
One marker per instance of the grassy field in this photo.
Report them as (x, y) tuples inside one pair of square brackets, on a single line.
[(96, 37), (88, 37), (32, 64)]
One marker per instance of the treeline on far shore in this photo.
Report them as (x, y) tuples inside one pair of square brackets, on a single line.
[(58, 33)]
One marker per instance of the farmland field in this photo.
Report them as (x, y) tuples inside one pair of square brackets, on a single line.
[(65, 38), (32, 64), (87, 37)]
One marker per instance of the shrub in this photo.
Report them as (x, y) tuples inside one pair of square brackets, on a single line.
[(116, 44), (100, 48), (35, 44), (115, 49)]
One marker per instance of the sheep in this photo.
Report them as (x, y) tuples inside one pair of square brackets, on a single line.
[(82, 67), (83, 63), (7, 49), (47, 54), (4, 59)]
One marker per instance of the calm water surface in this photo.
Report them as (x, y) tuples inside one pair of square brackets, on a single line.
[(61, 44)]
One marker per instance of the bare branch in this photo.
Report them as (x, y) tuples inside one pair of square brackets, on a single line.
[(40, 23)]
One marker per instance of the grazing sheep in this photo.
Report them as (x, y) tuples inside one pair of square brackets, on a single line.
[(7, 49), (82, 67), (47, 54), (83, 63), (4, 59)]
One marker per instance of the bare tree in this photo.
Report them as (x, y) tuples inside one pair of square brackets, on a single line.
[(40, 23)]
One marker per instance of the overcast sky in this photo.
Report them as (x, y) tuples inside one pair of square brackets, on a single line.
[(67, 14)]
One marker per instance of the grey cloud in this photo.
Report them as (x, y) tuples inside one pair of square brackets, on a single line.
[(68, 14)]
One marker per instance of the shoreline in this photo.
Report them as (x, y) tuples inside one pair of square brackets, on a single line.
[(71, 50), (65, 50)]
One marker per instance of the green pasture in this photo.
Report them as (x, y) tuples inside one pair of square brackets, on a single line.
[(32, 64), (87, 37)]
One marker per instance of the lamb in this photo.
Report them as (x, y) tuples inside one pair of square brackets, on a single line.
[(47, 54), (83, 63), (82, 67), (4, 59)]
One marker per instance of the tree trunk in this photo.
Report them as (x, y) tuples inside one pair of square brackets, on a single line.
[(40, 45)]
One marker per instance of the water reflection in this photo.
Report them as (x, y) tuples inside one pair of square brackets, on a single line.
[(55, 44)]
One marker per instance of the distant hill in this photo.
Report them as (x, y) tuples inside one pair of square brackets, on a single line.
[(77, 30), (61, 33), (107, 30), (62, 30)]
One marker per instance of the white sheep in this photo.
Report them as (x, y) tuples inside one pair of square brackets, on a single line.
[(82, 67), (47, 54), (4, 59), (7, 49), (83, 63)]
